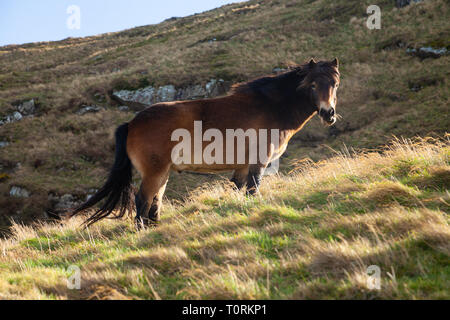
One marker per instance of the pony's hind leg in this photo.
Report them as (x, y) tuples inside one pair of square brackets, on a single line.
[(149, 200)]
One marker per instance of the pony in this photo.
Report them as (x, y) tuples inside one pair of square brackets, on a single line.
[(284, 102)]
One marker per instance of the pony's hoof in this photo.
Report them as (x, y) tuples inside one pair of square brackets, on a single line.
[(145, 223)]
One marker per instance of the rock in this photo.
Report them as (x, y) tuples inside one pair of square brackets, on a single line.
[(4, 144), (27, 108), (191, 93), (19, 192), (17, 116), (404, 3), (141, 98), (124, 108), (88, 109), (278, 70), (166, 94), (215, 88), (64, 202), (427, 52)]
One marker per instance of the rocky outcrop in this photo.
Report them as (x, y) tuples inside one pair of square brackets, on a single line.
[(427, 52), (25, 109), (141, 98)]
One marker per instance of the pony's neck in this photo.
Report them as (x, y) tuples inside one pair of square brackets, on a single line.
[(294, 109), (297, 114), (279, 97)]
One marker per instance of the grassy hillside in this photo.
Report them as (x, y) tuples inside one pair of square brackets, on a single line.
[(384, 90), (310, 234)]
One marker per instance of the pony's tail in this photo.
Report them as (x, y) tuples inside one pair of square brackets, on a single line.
[(118, 189)]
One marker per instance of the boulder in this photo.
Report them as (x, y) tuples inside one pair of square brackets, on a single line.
[(88, 109), (16, 116), (215, 88), (427, 52), (143, 96), (191, 93), (166, 94), (19, 192), (27, 107)]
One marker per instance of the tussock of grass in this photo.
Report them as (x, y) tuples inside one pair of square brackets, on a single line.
[(61, 152), (310, 234)]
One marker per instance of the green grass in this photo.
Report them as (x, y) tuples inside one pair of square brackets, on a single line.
[(220, 244), (375, 97)]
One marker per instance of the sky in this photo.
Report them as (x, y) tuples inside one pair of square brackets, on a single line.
[(23, 21)]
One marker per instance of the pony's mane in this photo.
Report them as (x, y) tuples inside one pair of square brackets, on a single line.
[(293, 77), (261, 82)]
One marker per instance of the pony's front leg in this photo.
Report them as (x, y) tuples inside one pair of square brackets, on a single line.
[(254, 178), (240, 177)]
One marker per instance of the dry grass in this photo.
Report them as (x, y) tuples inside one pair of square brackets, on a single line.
[(60, 152), (308, 235)]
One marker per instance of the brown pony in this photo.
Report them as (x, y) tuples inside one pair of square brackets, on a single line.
[(285, 102)]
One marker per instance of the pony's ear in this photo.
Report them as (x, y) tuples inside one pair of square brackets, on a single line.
[(312, 63), (335, 62)]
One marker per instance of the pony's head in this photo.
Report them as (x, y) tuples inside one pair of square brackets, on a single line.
[(321, 84)]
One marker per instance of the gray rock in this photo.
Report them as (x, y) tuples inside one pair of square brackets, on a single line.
[(4, 144), (141, 98), (88, 109), (427, 52), (19, 192), (17, 116), (279, 70), (124, 108), (27, 108), (214, 88), (144, 96), (166, 94), (191, 93)]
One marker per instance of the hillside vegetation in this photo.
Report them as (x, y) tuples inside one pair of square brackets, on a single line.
[(385, 91), (309, 234)]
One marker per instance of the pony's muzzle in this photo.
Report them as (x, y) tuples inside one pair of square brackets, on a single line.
[(328, 116)]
